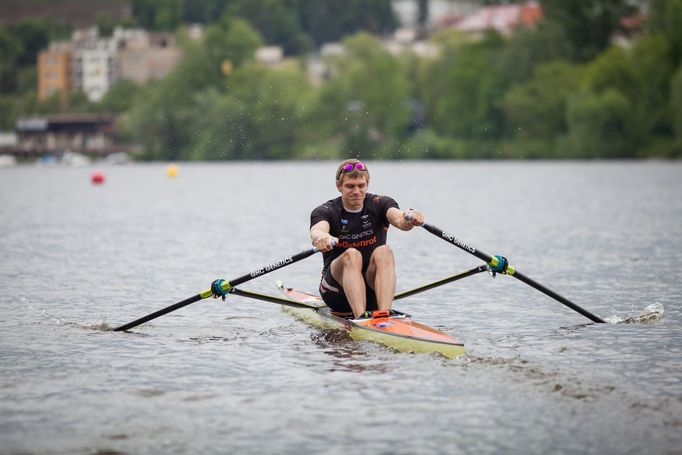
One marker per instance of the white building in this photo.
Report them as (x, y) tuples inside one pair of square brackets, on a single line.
[(94, 63), (439, 11), (98, 71)]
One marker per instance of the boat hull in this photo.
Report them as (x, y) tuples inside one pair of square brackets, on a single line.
[(398, 331)]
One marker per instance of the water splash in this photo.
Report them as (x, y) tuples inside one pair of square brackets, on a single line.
[(100, 325), (651, 313)]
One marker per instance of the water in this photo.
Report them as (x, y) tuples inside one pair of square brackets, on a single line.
[(244, 377)]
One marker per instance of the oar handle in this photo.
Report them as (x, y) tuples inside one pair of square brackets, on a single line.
[(493, 261), (227, 285)]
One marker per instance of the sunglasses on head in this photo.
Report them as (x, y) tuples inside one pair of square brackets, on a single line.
[(357, 165)]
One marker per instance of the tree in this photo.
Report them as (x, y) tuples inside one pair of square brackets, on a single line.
[(120, 97), (277, 22), (641, 74), (367, 100), (537, 109), (232, 40), (586, 25), (158, 14), (527, 48), (329, 21), (160, 117), (600, 126), (665, 17), (203, 11), (259, 117), (462, 88), (20, 44), (677, 109)]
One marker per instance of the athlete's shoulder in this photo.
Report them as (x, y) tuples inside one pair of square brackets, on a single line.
[(331, 205), (379, 199)]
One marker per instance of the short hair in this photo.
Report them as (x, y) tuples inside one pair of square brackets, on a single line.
[(353, 173)]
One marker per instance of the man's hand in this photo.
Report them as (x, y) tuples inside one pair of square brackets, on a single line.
[(414, 217), (325, 242)]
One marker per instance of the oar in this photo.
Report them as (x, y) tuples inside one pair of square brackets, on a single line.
[(226, 285), (450, 279), (494, 261), (273, 299), (402, 295)]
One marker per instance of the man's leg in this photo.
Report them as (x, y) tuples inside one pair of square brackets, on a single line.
[(381, 276), (347, 270)]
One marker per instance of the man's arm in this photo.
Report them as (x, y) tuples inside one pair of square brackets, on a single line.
[(321, 238), (398, 218)]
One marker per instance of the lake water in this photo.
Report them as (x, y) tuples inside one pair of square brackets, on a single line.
[(245, 377)]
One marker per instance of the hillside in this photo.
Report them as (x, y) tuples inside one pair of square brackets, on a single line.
[(75, 13)]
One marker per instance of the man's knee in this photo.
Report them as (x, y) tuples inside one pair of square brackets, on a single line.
[(383, 255), (352, 258)]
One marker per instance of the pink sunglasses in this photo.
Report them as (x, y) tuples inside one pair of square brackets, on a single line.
[(357, 165)]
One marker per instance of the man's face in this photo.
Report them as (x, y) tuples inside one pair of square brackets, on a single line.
[(352, 191)]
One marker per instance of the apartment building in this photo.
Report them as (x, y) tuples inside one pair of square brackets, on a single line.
[(92, 64), (142, 57), (54, 70)]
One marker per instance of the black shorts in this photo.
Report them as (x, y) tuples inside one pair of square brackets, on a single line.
[(334, 297)]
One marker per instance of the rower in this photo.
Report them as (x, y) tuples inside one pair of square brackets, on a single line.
[(358, 274)]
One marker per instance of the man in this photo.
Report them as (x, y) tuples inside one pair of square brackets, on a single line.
[(359, 270)]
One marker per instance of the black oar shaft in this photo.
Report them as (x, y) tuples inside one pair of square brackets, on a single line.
[(156, 314), (532, 283), (450, 279), (487, 258), (402, 295), (267, 298), (207, 293)]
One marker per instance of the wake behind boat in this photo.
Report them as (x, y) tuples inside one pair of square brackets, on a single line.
[(395, 330)]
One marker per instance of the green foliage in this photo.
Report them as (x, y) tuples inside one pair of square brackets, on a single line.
[(537, 109), (120, 97), (460, 90), (231, 39), (643, 76), (665, 17), (276, 21), (529, 47), (557, 90), (427, 144), (327, 21), (585, 25), (676, 91), (600, 126), (20, 44), (161, 113), (367, 99), (105, 25), (158, 14), (168, 117), (8, 114), (257, 118)]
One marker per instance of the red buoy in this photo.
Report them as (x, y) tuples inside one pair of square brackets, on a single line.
[(97, 178)]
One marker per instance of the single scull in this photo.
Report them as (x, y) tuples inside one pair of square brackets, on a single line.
[(397, 331)]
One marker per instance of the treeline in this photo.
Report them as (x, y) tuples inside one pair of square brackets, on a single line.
[(558, 90), (299, 26)]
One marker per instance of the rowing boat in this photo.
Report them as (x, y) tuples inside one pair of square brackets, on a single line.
[(395, 330)]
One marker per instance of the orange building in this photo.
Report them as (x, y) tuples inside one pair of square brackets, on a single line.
[(54, 72)]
